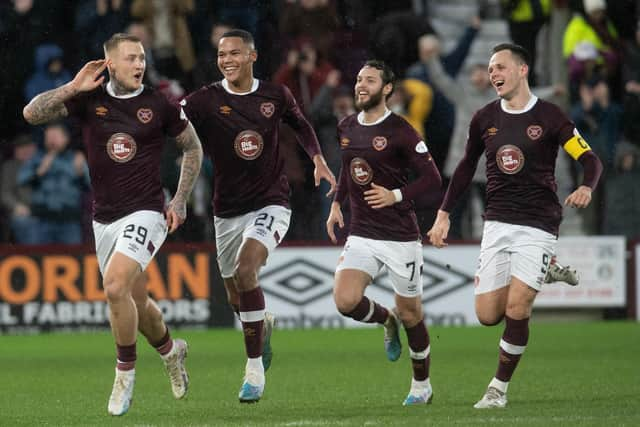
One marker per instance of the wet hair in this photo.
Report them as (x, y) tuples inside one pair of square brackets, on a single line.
[(118, 38), (246, 37), (386, 73), (521, 54)]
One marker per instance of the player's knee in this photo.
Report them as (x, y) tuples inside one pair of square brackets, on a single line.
[(245, 277), (115, 290), (345, 303), (489, 319), (518, 310), (410, 316)]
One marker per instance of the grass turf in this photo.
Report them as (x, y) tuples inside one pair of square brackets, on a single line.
[(571, 374)]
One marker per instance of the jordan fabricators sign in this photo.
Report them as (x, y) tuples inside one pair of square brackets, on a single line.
[(56, 290)]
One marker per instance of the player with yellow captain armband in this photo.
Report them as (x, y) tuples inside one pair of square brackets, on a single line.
[(520, 136)]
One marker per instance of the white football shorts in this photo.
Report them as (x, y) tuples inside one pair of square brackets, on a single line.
[(513, 250), (267, 225), (138, 235), (403, 261)]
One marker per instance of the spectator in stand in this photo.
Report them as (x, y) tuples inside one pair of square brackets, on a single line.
[(16, 199), (440, 122), (631, 79), (393, 38), (599, 120), (50, 72), (412, 99), (167, 24), (97, 20), (585, 34), (310, 20), (304, 73), (526, 18), (58, 176), (206, 70), (623, 193)]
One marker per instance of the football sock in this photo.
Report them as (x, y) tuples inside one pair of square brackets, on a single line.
[(368, 311), (512, 345), (252, 318), (126, 357), (165, 344), (419, 350)]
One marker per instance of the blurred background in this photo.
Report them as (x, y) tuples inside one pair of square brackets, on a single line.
[(586, 59)]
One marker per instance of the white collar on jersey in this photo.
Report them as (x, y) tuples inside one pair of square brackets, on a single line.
[(529, 106), (254, 87), (386, 114), (127, 96)]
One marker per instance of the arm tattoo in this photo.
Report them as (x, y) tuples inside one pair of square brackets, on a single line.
[(48, 106), (191, 161)]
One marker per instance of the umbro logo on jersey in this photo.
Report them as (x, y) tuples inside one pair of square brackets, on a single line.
[(344, 142), (101, 111), (225, 109), (492, 131)]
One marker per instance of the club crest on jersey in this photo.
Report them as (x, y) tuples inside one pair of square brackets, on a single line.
[(248, 144), (267, 109), (101, 111), (510, 159), (379, 143), (361, 172), (145, 115), (121, 147), (534, 132), (344, 142)]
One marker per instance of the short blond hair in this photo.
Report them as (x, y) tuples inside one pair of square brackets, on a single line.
[(118, 38)]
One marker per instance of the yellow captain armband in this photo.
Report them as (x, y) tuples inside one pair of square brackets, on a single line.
[(576, 146)]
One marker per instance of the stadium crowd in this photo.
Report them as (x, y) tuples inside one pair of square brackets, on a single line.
[(316, 48)]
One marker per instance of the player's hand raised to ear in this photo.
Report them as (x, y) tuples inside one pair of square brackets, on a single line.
[(89, 77), (440, 230)]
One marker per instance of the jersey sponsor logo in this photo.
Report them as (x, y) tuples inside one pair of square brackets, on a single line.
[(249, 144), (534, 132), (421, 147), (361, 172), (379, 143), (121, 147), (225, 109), (101, 111), (510, 159), (144, 115), (344, 142), (267, 109)]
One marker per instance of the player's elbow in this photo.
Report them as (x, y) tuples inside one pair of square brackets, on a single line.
[(28, 115)]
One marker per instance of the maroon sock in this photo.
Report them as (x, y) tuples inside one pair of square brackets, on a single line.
[(512, 345), (368, 311), (252, 318), (418, 338), (126, 357), (165, 344)]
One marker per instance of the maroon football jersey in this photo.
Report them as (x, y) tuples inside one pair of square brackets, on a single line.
[(124, 139), (521, 150), (383, 153), (240, 133)]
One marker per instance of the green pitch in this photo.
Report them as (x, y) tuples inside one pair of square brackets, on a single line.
[(571, 374)]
